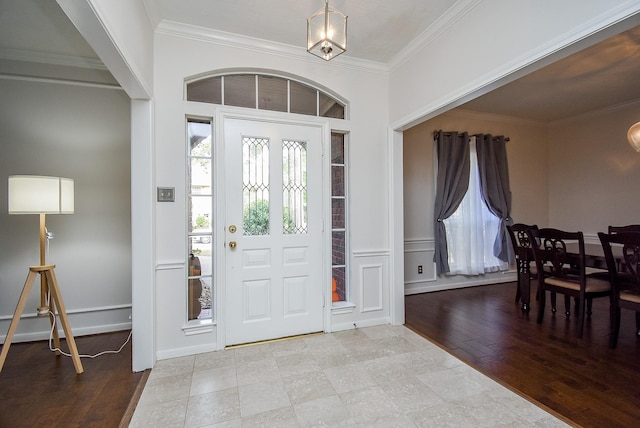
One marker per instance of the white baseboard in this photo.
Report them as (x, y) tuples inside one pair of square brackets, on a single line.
[(425, 287), (186, 351)]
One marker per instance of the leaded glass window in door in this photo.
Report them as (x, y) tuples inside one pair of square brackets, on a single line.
[(294, 187), (255, 186)]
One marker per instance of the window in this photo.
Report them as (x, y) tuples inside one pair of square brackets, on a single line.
[(339, 235), (294, 187), (200, 209), (273, 93), (472, 230), (255, 186)]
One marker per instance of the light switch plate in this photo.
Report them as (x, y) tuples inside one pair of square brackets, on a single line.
[(166, 194)]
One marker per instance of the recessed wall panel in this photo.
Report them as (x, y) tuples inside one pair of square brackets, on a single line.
[(371, 288)]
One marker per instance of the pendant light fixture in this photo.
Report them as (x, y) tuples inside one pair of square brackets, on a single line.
[(327, 33), (633, 135)]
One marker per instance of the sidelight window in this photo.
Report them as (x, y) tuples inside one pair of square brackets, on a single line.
[(200, 215), (339, 235)]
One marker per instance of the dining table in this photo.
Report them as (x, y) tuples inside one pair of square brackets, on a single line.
[(593, 258)]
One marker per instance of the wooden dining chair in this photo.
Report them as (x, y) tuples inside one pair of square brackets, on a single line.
[(565, 272), (523, 252), (625, 281), (627, 228)]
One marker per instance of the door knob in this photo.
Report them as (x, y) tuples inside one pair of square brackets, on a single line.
[(232, 228), (232, 244)]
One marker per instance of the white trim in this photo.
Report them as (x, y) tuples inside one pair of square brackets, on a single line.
[(52, 58), (143, 279), (184, 351), (77, 332), (171, 265), (237, 41), (351, 325), (73, 311), (459, 9), (60, 81), (508, 276), (542, 55), (371, 253)]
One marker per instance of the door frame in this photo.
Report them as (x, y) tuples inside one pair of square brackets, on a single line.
[(220, 185)]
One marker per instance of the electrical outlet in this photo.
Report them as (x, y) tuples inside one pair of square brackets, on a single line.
[(420, 269)]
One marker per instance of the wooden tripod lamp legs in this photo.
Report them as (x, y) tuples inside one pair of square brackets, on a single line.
[(48, 272)]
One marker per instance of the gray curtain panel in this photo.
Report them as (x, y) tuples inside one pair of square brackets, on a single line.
[(494, 186), (452, 183)]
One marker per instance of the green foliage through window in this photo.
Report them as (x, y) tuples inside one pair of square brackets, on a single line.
[(256, 219)]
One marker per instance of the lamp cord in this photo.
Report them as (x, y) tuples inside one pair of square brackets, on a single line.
[(52, 349)]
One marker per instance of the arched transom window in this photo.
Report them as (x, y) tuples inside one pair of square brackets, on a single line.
[(265, 92)]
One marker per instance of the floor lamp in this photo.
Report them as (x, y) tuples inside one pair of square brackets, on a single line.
[(30, 194)]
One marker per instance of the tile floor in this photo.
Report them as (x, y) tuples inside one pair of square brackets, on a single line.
[(384, 376)]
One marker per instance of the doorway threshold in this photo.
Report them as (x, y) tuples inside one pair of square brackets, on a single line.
[(280, 339)]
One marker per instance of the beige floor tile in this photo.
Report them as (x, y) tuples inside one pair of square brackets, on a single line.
[(262, 397), (384, 376)]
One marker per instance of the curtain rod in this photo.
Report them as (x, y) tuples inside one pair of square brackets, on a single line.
[(435, 134)]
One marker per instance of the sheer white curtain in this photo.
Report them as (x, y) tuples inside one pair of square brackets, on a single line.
[(472, 230)]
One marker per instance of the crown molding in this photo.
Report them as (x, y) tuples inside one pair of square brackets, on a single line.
[(51, 58), (527, 62), (237, 41), (153, 12), (6, 76), (593, 113), (444, 21), (502, 118)]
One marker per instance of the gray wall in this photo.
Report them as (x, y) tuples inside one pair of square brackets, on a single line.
[(81, 132)]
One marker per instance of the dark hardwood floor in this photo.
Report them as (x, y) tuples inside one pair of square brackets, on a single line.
[(37, 388), (581, 379)]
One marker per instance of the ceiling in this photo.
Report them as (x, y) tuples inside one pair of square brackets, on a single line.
[(603, 75)]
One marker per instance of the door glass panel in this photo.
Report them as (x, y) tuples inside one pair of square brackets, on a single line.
[(272, 93), (255, 185), (240, 90), (294, 187)]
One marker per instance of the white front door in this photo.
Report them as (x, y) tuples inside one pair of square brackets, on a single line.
[(273, 230)]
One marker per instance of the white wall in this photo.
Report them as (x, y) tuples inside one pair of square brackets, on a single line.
[(121, 33), (492, 40), (417, 90), (82, 133), (178, 58)]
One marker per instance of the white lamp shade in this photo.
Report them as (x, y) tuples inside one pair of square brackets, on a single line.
[(633, 135), (33, 194)]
